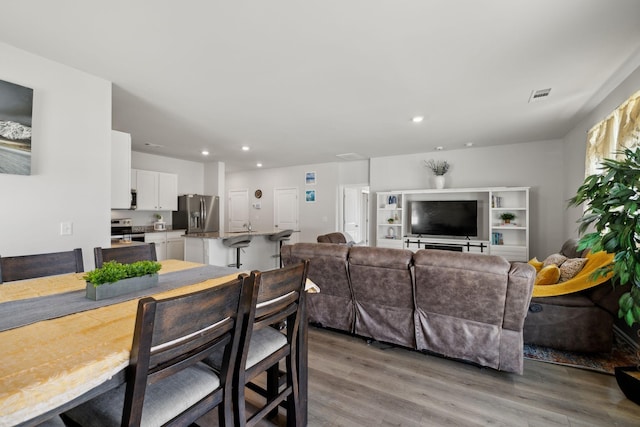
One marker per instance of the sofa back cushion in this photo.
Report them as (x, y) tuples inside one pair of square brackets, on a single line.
[(381, 276), (327, 265), (468, 286), (382, 284)]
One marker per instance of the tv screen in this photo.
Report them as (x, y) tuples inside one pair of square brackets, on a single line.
[(445, 217)]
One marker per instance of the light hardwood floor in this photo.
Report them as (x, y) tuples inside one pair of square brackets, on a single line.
[(352, 383)]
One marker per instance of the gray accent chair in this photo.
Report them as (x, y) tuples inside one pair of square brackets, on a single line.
[(581, 321)]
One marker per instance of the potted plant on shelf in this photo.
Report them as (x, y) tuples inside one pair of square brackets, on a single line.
[(114, 278), (439, 169), (506, 217), (611, 200)]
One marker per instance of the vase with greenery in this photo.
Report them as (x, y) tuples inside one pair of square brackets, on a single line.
[(114, 278), (611, 202), (507, 217), (439, 169)]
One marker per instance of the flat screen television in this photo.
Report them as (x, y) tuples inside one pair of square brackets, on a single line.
[(444, 217)]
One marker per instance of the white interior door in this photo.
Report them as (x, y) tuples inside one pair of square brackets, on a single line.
[(352, 212), (238, 210), (285, 214)]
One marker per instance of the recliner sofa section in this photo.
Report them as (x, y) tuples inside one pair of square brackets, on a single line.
[(463, 306)]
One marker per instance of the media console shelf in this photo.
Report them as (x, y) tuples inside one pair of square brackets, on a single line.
[(495, 235)]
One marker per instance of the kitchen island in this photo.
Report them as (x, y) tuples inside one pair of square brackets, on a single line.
[(261, 254)]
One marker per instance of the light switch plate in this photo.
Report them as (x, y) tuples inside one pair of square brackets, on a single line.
[(66, 228)]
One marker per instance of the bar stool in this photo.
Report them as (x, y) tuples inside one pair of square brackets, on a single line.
[(280, 237), (237, 243)]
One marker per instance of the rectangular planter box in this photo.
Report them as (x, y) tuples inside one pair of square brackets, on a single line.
[(121, 287)]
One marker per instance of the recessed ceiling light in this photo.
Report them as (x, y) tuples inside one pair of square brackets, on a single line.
[(259, 165), (468, 144), (439, 148), (417, 119), (245, 148), (205, 153)]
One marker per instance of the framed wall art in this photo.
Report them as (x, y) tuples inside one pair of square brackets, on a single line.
[(16, 108), (310, 178), (310, 196)]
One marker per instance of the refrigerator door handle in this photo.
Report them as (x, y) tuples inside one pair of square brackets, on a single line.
[(203, 210)]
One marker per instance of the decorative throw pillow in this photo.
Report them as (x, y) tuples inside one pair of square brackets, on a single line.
[(536, 264), (548, 275), (556, 259), (571, 267)]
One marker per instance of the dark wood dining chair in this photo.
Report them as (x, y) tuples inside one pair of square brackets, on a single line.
[(125, 254), (275, 305), (40, 265), (166, 382)]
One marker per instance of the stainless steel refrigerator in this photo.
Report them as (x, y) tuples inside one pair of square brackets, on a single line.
[(197, 213)]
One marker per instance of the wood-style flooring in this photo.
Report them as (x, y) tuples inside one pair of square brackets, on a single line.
[(353, 383)]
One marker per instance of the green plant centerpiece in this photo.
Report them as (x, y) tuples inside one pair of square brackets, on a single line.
[(438, 167), (507, 217), (114, 278), (611, 201)]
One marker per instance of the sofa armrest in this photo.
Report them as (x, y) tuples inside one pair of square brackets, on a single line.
[(519, 289)]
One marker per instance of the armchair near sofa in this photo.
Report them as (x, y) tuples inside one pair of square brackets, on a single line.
[(577, 321)]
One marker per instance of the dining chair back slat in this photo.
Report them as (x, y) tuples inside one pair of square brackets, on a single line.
[(40, 265), (125, 254)]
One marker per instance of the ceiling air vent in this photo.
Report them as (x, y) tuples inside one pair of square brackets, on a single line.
[(537, 95)]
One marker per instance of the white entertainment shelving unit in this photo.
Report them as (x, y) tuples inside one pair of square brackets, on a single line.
[(389, 219), (494, 236)]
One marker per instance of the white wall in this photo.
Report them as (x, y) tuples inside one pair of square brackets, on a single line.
[(315, 218), (190, 174), (538, 165), (575, 144), (70, 176)]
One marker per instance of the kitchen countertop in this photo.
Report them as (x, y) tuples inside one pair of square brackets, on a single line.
[(225, 235)]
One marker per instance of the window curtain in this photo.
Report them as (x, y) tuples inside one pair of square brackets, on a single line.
[(621, 129)]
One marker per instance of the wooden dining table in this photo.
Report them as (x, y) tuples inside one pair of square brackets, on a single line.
[(54, 358)]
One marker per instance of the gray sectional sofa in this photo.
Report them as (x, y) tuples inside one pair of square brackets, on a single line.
[(463, 306)]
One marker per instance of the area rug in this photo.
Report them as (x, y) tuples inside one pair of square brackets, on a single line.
[(622, 354)]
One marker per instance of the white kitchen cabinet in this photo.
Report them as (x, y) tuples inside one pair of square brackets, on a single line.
[(175, 246), (169, 244), (156, 190), (120, 167)]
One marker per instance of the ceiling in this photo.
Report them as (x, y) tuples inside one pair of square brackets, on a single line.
[(300, 82)]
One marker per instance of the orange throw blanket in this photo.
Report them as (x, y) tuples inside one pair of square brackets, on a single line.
[(581, 281)]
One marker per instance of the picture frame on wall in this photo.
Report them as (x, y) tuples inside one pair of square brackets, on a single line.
[(16, 109), (310, 178), (310, 196)]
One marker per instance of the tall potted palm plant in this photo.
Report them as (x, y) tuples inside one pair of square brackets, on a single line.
[(611, 215)]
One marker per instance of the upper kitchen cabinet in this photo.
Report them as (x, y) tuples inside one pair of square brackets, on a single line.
[(120, 167), (156, 190)]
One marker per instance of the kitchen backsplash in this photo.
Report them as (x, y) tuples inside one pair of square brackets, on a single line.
[(142, 218)]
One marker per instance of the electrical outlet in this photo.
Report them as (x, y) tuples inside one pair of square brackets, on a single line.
[(66, 228)]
